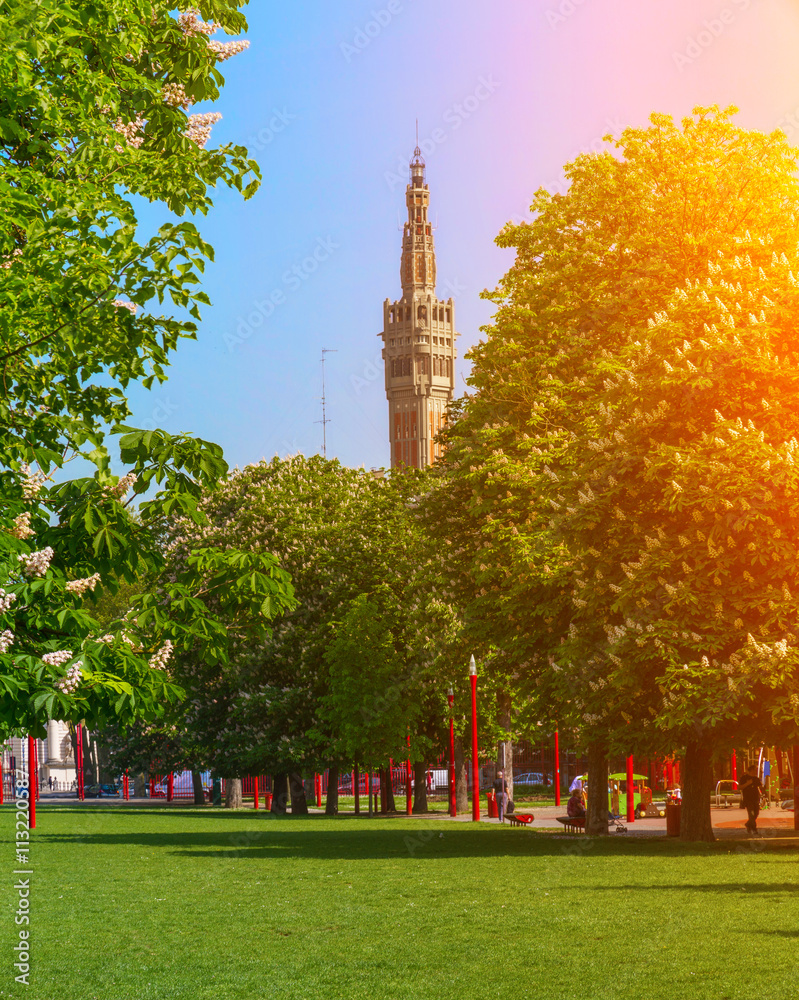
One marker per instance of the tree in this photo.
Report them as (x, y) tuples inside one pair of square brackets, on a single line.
[(92, 115), (555, 476), (365, 703), (345, 536)]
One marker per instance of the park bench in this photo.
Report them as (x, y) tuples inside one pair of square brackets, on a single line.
[(519, 819), (572, 824)]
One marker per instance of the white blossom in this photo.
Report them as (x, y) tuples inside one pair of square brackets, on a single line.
[(80, 587), (36, 563)]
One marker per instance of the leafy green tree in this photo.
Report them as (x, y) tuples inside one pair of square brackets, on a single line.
[(554, 482), (344, 535), (94, 114)]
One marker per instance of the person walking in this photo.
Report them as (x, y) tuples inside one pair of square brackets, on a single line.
[(501, 795), (751, 788)]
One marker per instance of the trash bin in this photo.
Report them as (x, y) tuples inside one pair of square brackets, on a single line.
[(493, 812), (673, 810), (216, 792), (267, 801)]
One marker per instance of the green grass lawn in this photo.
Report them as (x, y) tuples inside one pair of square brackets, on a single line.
[(155, 903)]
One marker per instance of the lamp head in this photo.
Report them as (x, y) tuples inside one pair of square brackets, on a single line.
[(450, 692), (472, 666)]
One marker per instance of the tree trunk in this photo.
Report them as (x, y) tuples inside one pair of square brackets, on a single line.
[(596, 821), (139, 785), (197, 784), (331, 804), (356, 791), (461, 778), (419, 788), (505, 747), (280, 794), (233, 796), (387, 797), (697, 775), (299, 803)]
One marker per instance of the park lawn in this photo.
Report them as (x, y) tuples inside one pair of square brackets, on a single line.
[(156, 903)]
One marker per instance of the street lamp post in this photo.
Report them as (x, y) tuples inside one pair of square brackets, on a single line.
[(475, 767), (557, 768), (453, 804), (408, 784)]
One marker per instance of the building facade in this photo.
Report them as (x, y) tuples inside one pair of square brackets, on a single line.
[(418, 338)]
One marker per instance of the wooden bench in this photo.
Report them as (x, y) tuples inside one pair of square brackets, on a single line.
[(572, 824), (519, 819)]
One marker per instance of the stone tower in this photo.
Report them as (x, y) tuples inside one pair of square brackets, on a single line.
[(418, 338)]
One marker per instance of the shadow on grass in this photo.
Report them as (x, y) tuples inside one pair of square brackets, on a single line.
[(249, 837)]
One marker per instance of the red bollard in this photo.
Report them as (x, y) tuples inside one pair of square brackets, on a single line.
[(318, 784), (31, 783), (170, 787), (255, 790), (630, 791)]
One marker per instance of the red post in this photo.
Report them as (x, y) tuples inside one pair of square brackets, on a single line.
[(408, 782), (557, 768), (453, 801), (475, 765), (152, 788), (31, 783), (79, 760), (795, 764), (255, 791), (170, 787), (734, 767), (318, 787), (630, 791)]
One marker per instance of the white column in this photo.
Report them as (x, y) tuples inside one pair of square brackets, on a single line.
[(53, 742)]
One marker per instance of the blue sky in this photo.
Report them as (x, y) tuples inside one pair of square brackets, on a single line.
[(326, 99)]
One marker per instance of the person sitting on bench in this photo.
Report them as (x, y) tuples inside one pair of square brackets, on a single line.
[(575, 807)]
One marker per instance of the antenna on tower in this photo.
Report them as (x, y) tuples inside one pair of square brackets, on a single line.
[(417, 133), (324, 421)]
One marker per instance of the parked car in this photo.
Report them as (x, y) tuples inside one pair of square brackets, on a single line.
[(531, 778)]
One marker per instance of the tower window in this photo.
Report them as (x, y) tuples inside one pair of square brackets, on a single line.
[(408, 313), (421, 312), (449, 315)]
